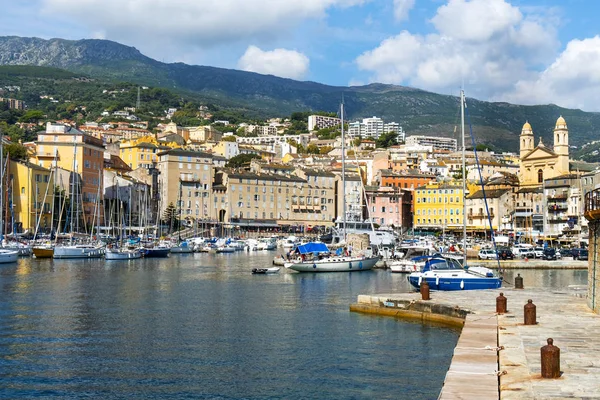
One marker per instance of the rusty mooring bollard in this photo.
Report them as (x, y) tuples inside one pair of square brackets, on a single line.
[(550, 360), (424, 288), (518, 282), (501, 304), (529, 313)]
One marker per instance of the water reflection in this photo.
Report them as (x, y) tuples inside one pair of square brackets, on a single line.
[(201, 325)]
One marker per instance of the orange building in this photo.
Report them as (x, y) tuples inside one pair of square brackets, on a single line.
[(406, 180)]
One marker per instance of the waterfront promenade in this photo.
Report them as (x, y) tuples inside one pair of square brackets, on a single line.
[(479, 370)]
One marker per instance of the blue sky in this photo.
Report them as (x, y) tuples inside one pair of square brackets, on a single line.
[(521, 51)]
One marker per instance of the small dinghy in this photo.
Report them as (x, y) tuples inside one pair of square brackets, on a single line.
[(272, 270)]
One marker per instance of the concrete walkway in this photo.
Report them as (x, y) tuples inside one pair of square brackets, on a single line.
[(561, 314)]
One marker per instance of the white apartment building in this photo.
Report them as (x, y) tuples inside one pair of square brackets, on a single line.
[(374, 127), (316, 122), (438, 143)]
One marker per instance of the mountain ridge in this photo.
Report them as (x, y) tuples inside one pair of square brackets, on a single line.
[(419, 112)]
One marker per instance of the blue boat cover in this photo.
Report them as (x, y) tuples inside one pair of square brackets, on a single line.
[(312, 247)]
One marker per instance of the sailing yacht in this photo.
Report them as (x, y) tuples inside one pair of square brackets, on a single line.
[(6, 256), (315, 257), (121, 253), (446, 273)]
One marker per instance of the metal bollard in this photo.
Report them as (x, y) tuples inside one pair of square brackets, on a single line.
[(518, 282), (424, 288), (529, 313), (550, 360), (501, 304)]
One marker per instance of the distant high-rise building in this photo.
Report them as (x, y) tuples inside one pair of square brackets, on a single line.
[(316, 122), (374, 127), (438, 143)]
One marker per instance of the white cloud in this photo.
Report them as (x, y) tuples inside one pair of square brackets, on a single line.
[(484, 44), (573, 80), (402, 8), (279, 62), (204, 23)]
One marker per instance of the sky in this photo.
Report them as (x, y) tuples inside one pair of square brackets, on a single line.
[(519, 51)]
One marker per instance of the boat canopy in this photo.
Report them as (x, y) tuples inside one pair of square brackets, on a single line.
[(438, 262), (312, 247)]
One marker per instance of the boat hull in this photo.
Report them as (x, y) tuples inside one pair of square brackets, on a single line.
[(265, 271), (334, 264), (8, 256), (78, 252), (43, 252), (451, 283), (122, 255), (156, 253)]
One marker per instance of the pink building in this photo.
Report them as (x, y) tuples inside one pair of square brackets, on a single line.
[(389, 206)]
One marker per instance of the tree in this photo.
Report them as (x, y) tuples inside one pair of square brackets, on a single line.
[(240, 160), (313, 149), (356, 142), (32, 116), (230, 138), (325, 149), (170, 217), (16, 150), (387, 139)]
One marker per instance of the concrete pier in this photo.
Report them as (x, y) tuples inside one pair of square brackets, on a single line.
[(497, 357)]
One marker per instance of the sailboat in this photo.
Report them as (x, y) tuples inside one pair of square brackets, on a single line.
[(182, 246), (76, 250), (315, 257), (121, 252), (6, 256), (446, 273)]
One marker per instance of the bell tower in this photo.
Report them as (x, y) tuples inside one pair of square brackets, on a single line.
[(526, 140), (561, 145)]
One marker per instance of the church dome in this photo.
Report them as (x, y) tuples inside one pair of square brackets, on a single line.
[(526, 128), (561, 123)]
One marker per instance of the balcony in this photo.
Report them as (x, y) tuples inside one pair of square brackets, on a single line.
[(592, 205), (479, 216), (557, 207), (558, 197)]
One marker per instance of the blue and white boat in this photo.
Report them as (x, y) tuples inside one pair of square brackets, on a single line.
[(315, 257), (444, 273)]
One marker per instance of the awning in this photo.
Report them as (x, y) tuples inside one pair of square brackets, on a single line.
[(312, 247)]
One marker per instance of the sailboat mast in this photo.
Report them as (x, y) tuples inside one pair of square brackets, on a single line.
[(343, 173), (1, 184), (464, 174)]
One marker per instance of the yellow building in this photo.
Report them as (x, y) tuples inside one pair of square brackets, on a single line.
[(542, 162), (438, 206), (66, 147), (142, 152), (30, 191)]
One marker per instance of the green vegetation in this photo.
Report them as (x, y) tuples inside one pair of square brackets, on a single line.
[(241, 160), (387, 139)]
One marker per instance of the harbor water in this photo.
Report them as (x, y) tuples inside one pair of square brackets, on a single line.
[(202, 326)]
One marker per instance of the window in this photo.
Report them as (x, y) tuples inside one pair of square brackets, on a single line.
[(540, 176)]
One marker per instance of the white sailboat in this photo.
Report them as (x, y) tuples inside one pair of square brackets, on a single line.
[(314, 257), (6, 256), (76, 250), (121, 253), (446, 273)]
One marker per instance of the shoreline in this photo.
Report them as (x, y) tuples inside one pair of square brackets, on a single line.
[(491, 344)]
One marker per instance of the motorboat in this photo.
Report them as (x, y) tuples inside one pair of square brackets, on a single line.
[(411, 259), (115, 254), (8, 256), (315, 257), (182, 248), (78, 251), (444, 273), (271, 270)]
